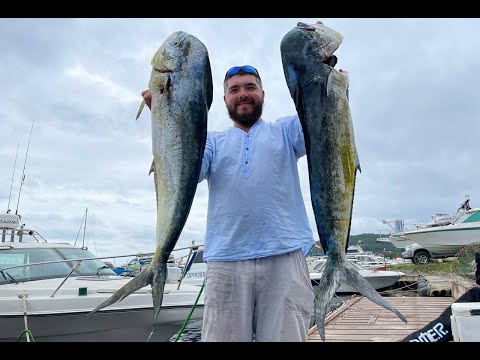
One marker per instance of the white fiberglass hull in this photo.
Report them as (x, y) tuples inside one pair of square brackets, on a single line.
[(65, 316), (111, 326), (446, 240), (400, 242), (378, 279)]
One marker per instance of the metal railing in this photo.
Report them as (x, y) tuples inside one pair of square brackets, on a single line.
[(7, 276)]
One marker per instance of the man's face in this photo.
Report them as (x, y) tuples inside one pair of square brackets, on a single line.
[(244, 99)]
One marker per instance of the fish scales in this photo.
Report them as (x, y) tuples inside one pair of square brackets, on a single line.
[(320, 94), (182, 93)]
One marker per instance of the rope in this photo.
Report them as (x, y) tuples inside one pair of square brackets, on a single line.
[(26, 331), (191, 312)]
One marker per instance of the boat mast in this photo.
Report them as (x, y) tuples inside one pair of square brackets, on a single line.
[(84, 223), (84, 229), (13, 175), (24, 164)]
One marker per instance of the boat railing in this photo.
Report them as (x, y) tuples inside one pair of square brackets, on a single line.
[(20, 232), (7, 276)]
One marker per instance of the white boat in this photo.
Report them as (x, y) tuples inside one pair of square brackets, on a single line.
[(396, 237), (448, 240), (444, 236), (52, 301), (379, 279), (397, 240)]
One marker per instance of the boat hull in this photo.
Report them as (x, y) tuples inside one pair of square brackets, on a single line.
[(447, 240), (380, 280), (133, 325), (65, 316)]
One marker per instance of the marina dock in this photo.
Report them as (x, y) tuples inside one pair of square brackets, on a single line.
[(361, 320)]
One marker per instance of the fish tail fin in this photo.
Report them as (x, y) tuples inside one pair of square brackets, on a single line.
[(331, 279), (158, 285), (329, 283), (353, 278), (139, 281), (142, 105)]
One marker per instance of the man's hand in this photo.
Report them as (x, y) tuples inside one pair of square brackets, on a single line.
[(147, 97), (344, 72)]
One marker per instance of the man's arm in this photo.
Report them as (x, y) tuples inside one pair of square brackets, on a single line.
[(294, 132), (207, 158)]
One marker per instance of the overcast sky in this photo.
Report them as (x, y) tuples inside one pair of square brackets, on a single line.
[(414, 97)]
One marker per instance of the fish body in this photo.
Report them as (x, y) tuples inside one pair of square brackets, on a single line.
[(320, 94), (182, 93)]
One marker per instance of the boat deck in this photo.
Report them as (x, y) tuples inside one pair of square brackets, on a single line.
[(361, 320)]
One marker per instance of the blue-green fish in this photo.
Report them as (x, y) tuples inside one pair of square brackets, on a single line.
[(182, 93), (320, 94)]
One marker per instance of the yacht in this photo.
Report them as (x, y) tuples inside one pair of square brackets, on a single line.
[(47, 291), (447, 240), (380, 279), (444, 236)]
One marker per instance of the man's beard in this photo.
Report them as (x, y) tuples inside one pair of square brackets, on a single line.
[(247, 119)]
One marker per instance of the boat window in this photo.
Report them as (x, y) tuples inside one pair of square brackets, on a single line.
[(198, 257), (145, 261), (474, 217), (356, 265), (25, 256), (319, 267), (87, 267)]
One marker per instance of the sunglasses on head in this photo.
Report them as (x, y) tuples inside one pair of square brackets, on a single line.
[(245, 69)]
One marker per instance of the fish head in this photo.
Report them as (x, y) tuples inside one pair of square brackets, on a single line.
[(171, 54), (316, 39), (171, 57), (324, 39), (185, 55)]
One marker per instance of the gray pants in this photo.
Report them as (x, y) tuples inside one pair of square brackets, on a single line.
[(266, 299)]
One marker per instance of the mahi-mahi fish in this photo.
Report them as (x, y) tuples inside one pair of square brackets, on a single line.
[(320, 94), (182, 93)]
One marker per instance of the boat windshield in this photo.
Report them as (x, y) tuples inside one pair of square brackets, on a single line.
[(87, 267), (24, 256), (473, 218)]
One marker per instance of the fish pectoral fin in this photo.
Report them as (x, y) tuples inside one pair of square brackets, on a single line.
[(152, 168), (140, 109), (166, 85), (329, 82), (357, 164)]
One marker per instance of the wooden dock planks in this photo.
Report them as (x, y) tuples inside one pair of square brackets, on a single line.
[(359, 319)]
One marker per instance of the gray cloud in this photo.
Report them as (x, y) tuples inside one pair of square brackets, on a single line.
[(413, 98)]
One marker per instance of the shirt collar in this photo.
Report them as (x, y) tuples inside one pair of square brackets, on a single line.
[(253, 128)]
